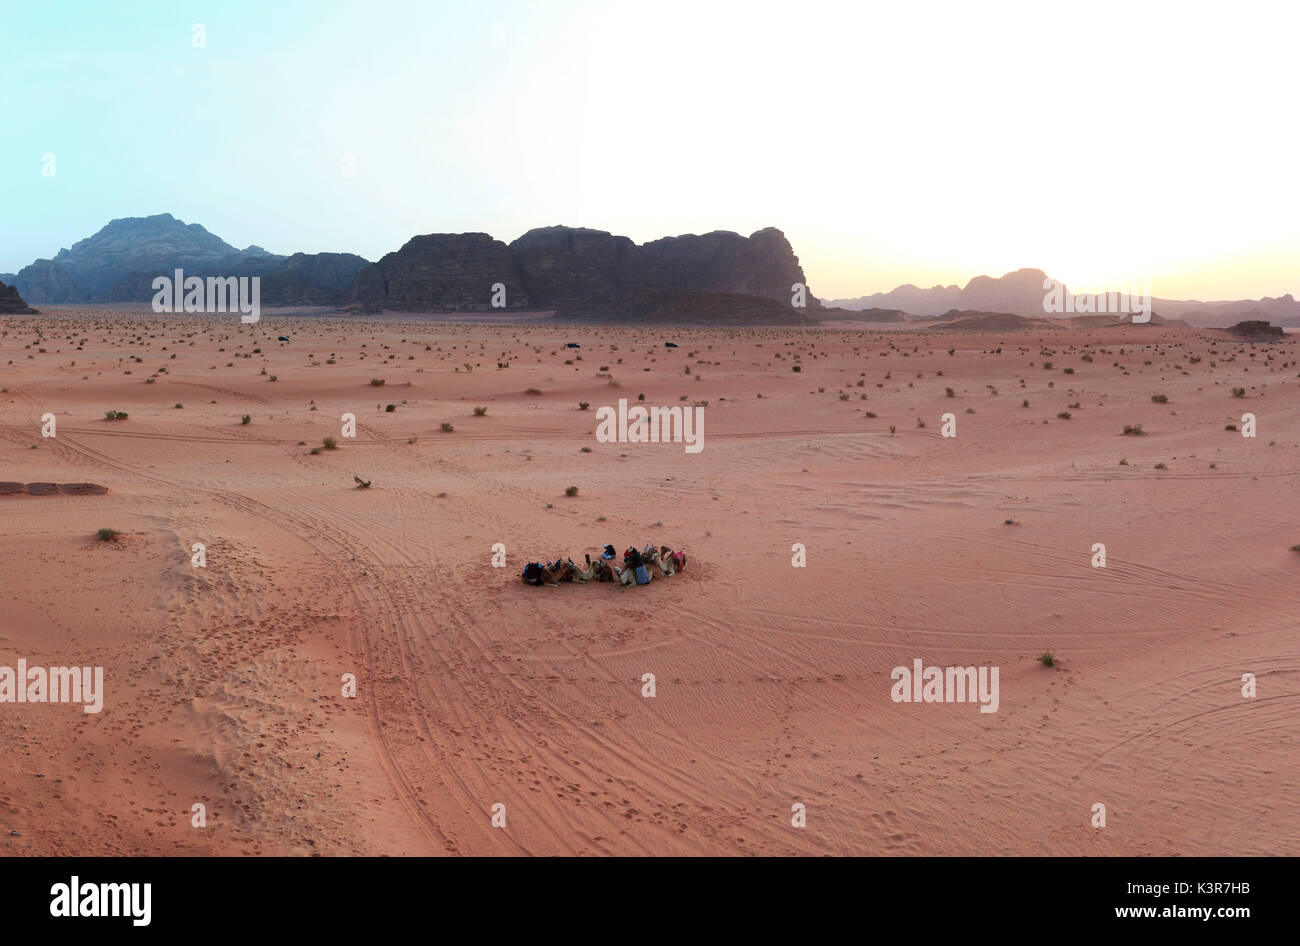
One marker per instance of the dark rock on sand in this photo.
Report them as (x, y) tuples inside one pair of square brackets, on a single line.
[(11, 303)]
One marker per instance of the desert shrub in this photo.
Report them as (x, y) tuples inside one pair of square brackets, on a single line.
[(571, 491), (480, 411), (107, 535), (330, 443), (447, 428)]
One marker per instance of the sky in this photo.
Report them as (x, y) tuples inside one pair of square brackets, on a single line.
[(917, 142)]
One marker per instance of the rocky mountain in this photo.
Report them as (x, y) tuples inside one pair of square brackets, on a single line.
[(312, 279), (1282, 311), (11, 303), (579, 270), (1022, 293), (441, 272), (1019, 293), (120, 262)]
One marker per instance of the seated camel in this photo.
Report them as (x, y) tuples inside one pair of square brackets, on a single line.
[(666, 559), (560, 570), (600, 569)]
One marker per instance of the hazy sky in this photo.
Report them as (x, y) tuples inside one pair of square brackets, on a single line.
[(892, 142)]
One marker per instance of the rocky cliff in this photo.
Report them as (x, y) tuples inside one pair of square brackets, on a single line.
[(1258, 329), (11, 303), (577, 269), (120, 262)]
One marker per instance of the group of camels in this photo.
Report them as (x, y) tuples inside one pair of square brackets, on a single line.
[(635, 570)]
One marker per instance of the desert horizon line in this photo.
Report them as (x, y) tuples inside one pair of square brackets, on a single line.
[(918, 285)]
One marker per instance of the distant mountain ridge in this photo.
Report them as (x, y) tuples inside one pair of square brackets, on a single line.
[(1022, 293), (121, 260), (575, 271)]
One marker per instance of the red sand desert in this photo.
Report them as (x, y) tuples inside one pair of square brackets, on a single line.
[(223, 684)]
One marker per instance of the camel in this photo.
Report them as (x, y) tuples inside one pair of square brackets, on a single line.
[(669, 562), (666, 559), (600, 569), (561, 570), (590, 573), (552, 573)]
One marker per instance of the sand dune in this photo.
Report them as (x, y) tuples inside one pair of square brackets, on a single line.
[(224, 683)]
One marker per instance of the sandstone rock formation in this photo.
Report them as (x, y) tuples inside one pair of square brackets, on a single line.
[(11, 303), (1258, 330), (120, 262), (577, 271), (441, 272)]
